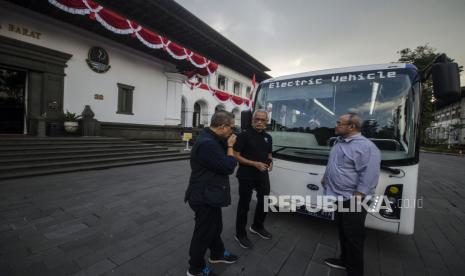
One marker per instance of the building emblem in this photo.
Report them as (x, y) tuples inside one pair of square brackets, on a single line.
[(98, 60)]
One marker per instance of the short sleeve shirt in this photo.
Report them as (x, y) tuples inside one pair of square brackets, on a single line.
[(255, 146)]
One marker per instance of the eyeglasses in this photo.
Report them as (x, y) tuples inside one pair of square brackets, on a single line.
[(339, 123), (259, 120)]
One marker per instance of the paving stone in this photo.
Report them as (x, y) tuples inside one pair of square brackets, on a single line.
[(135, 267), (125, 221), (97, 269), (65, 231), (317, 269), (35, 269), (130, 253), (66, 268), (296, 263), (323, 252), (275, 259)]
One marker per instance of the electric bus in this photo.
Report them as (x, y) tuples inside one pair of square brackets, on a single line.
[(303, 110)]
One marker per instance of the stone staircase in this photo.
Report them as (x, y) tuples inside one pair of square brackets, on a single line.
[(172, 143), (28, 156)]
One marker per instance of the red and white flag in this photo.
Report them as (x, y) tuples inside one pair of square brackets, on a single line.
[(254, 83)]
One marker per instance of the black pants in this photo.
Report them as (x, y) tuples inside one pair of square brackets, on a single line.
[(207, 235), (351, 227), (246, 186)]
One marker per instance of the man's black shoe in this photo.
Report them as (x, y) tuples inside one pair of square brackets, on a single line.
[(335, 263), (244, 242), (261, 232), (227, 258), (205, 272)]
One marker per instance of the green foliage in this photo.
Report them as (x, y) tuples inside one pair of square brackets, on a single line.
[(421, 57), (71, 117)]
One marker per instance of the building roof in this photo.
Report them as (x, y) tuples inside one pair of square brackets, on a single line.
[(171, 20)]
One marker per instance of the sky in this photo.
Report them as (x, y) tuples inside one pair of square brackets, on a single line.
[(296, 36)]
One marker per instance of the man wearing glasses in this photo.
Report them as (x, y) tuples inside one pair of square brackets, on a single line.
[(352, 173), (212, 161), (253, 152)]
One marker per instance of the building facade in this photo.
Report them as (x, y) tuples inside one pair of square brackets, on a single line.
[(449, 123), (56, 57)]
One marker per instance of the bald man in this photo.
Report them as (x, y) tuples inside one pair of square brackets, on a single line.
[(352, 173)]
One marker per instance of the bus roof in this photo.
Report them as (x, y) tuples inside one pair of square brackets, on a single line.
[(344, 70)]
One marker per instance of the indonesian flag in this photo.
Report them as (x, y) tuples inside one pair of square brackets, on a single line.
[(254, 83)]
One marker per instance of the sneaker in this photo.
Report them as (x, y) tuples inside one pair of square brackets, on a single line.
[(335, 263), (227, 258), (205, 272), (261, 232), (244, 242)]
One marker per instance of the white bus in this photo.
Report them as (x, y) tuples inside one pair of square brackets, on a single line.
[(303, 109)]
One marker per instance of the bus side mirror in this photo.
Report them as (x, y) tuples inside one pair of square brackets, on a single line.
[(246, 119), (446, 81)]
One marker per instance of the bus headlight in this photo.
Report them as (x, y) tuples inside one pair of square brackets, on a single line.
[(394, 196)]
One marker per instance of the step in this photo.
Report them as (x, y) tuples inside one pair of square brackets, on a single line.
[(63, 143), (20, 154), (64, 147), (80, 155), (68, 139), (57, 143), (49, 151), (161, 141), (46, 171), (57, 164)]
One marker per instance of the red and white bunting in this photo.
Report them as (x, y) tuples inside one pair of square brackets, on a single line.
[(221, 96), (123, 26)]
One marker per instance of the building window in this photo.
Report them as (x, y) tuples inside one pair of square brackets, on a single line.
[(237, 88), (125, 95), (247, 91), (221, 82)]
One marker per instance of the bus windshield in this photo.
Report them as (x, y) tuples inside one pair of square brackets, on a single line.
[(303, 111)]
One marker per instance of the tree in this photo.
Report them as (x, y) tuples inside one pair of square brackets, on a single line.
[(421, 57)]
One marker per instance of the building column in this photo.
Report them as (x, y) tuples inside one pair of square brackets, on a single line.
[(174, 98), (189, 117)]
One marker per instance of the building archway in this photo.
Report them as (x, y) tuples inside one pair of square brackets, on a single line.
[(200, 115)]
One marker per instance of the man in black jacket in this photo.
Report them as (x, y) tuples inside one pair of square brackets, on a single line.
[(212, 161)]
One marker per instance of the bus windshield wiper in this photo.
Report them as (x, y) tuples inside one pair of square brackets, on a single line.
[(391, 170), (287, 147)]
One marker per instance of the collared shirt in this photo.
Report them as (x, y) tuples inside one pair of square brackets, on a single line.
[(353, 166), (253, 145)]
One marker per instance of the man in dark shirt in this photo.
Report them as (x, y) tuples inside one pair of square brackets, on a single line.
[(253, 151), (212, 161)]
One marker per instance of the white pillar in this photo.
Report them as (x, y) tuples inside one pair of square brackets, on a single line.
[(189, 117), (174, 98)]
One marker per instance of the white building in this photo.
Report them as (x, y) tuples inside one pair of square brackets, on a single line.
[(199, 103), (49, 63), (449, 123)]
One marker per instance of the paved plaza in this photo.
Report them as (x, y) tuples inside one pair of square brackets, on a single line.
[(132, 221)]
